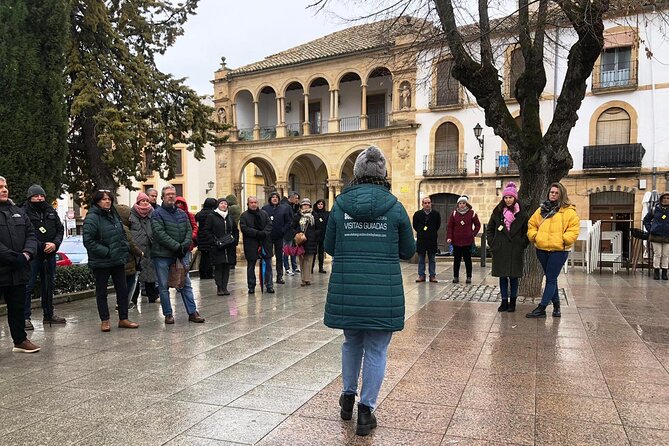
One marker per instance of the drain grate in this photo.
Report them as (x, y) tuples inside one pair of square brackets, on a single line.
[(488, 293)]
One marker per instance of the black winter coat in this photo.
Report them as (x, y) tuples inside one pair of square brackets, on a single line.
[(313, 234), (251, 223), (215, 228), (322, 218), (16, 237), (657, 222), (507, 247), (47, 225), (201, 219), (282, 219), (426, 227)]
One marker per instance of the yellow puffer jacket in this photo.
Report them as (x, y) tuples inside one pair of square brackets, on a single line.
[(557, 233)]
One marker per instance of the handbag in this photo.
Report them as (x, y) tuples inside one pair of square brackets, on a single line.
[(176, 277), (225, 241), (300, 239)]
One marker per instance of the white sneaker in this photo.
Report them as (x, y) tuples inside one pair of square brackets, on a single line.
[(297, 271), (290, 272)]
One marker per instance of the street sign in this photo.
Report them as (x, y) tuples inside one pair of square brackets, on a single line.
[(70, 215)]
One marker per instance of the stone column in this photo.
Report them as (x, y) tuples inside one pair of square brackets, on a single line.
[(333, 122), (234, 131), (363, 111), (305, 124), (238, 187), (280, 118), (256, 120), (281, 188)]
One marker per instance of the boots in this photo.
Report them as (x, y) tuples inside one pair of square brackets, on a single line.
[(656, 274), (366, 420), (504, 306), (664, 274), (512, 305), (556, 310), (346, 403), (540, 311)]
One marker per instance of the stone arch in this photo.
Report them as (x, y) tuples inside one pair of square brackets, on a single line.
[(307, 173), (379, 71), (262, 87), (346, 161), (631, 111), (268, 172), (317, 76), (345, 72), (288, 83), (312, 152), (239, 91)]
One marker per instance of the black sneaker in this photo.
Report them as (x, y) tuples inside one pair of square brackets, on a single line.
[(270, 290), (538, 312), (556, 311), (280, 281), (366, 421), (346, 403)]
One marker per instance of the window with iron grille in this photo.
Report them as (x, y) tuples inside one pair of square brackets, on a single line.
[(613, 127), (615, 68), (446, 141), (448, 88)]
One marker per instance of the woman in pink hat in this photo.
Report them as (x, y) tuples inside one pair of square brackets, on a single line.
[(507, 239)]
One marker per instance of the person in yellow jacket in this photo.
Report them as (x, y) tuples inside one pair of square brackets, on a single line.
[(553, 228)]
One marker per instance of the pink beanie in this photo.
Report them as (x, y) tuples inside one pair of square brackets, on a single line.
[(510, 190), (141, 196)]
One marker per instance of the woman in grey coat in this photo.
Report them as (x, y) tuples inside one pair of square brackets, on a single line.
[(140, 230)]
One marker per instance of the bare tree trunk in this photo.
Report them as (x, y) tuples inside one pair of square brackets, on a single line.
[(101, 175)]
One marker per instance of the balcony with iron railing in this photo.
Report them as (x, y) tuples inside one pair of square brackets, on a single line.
[(294, 129), (444, 97), (504, 165), (349, 124), (318, 127), (613, 156), (378, 120), (615, 77), (445, 165), (245, 134), (268, 132)]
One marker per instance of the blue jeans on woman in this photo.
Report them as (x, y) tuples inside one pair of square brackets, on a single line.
[(374, 346), (504, 287), (551, 262)]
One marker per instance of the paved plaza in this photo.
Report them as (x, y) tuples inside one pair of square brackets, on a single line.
[(264, 370)]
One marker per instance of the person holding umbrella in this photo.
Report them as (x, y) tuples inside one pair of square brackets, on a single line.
[(256, 227)]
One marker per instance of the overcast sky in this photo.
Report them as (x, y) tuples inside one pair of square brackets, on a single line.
[(244, 32)]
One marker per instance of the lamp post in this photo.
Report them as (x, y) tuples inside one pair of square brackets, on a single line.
[(210, 187), (481, 139)]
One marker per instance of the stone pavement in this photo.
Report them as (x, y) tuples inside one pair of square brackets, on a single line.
[(263, 369)]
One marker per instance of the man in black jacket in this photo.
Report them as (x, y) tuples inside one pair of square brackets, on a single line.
[(49, 233), (256, 227), (426, 223), (18, 245), (282, 217)]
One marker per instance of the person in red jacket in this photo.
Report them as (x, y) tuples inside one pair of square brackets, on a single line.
[(463, 226), (181, 204)]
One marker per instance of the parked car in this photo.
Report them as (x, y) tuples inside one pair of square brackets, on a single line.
[(62, 259), (73, 247)]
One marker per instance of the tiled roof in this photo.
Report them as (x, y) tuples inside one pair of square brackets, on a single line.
[(348, 41)]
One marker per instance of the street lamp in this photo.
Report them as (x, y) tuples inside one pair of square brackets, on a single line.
[(210, 187), (480, 138)]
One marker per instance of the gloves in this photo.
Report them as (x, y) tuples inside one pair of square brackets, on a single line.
[(20, 261), (261, 235), (180, 252)]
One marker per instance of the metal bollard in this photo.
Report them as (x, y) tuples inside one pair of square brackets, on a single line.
[(484, 245)]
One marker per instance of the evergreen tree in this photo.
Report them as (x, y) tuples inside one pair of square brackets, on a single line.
[(122, 107), (33, 116)]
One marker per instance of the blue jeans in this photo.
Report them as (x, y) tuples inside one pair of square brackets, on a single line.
[(432, 264), (293, 259), (374, 345), (551, 262), (162, 266), (46, 269), (504, 287)]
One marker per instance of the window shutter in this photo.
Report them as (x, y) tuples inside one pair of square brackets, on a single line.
[(613, 127)]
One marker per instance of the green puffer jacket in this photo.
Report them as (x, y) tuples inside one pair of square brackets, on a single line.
[(367, 234), (104, 238), (171, 229)]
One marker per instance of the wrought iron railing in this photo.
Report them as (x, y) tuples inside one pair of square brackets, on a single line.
[(268, 132), (504, 164), (445, 164), (445, 95), (318, 127), (378, 120), (294, 129), (245, 134), (349, 124), (613, 155), (615, 76)]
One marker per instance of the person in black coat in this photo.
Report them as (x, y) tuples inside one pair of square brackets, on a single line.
[(18, 245), (49, 232), (506, 235), (281, 216), (256, 228), (208, 207), (305, 223), (217, 228), (321, 214), (426, 223)]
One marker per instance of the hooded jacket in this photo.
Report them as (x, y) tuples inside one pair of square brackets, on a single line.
[(556, 233), (657, 222), (191, 219), (201, 218), (16, 237), (281, 217), (104, 238), (234, 208), (367, 234)]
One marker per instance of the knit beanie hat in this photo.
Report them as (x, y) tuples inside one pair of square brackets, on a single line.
[(510, 190), (370, 163), (141, 196), (35, 189), (305, 201), (464, 198), (220, 200)]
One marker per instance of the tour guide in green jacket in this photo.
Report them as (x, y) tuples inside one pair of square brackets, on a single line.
[(367, 234)]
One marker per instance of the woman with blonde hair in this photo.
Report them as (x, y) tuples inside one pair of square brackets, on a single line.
[(553, 228)]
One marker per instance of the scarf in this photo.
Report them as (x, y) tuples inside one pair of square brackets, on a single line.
[(509, 215), (306, 219), (143, 210), (463, 211), (223, 214), (549, 208), (371, 180)]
